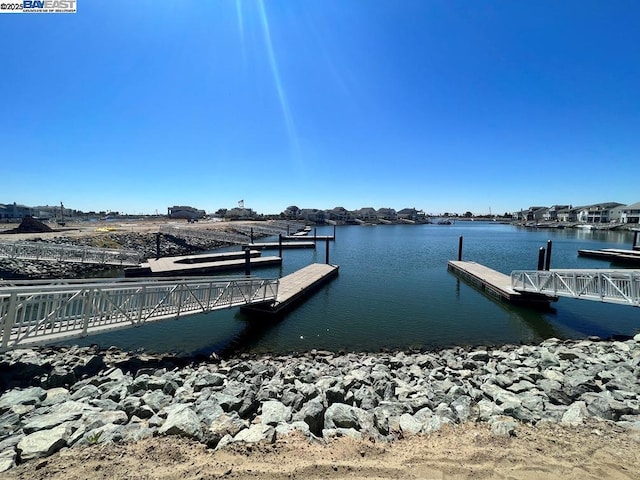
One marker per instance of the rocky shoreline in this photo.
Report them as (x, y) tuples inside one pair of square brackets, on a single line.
[(54, 398)]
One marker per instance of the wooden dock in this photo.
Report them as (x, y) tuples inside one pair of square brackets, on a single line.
[(305, 237), (496, 284), (614, 255), (295, 287), (276, 245), (200, 264)]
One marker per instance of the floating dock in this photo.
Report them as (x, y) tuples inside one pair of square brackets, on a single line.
[(497, 284), (276, 245), (295, 287), (305, 237), (200, 264), (614, 255)]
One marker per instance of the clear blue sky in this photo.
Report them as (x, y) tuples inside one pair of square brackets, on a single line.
[(445, 105)]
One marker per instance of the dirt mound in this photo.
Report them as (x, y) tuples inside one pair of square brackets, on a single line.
[(30, 225)]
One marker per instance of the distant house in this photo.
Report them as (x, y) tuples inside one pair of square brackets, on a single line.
[(535, 214), (631, 213), (240, 213), (597, 213), (312, 215), (388, 214), (339, 215), (411, 214), (15, 211), (568, 214), (185, 212), (551, 213), (366, 214)]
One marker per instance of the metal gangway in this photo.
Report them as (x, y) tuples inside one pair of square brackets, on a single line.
[(38, 312), (67, 253), (610, 286)]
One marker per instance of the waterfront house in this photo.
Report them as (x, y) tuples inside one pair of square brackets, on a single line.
[(366, 214), (631, 213), (597, 213), (387, 214), (312, 215), (551, 213), (534, 214), (339, 215), (412, 214)]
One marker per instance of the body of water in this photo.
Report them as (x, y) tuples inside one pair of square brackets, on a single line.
[(394, 292)]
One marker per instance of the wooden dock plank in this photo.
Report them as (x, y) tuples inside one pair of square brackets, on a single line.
[(295, 286), (274, 245)]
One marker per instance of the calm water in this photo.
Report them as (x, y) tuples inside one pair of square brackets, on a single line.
[(394, 291)]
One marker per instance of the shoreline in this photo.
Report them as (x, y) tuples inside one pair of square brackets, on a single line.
[(84, 397)]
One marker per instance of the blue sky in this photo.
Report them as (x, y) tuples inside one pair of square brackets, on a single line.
[(446, 105)]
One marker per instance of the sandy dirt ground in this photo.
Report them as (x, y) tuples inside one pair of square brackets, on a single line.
[(469, 451)]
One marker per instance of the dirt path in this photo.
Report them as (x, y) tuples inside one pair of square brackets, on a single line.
[(597, 451)]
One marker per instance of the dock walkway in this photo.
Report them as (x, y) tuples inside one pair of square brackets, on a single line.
[(276, 245), (294, 287), (496, 284), (201, 264)]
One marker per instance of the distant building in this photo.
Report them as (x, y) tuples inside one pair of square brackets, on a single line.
[(631, 213), (366, 214), (14, 212), (388, 214), (185, 212), (597, 213), (411, 214), (240, 213)]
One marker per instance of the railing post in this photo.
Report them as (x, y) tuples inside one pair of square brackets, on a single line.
[(541, 258), (88, 307), (460, 249), (9, 320)]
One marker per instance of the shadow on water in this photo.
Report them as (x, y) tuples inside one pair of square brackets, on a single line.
[(255, 327), (533, 318)]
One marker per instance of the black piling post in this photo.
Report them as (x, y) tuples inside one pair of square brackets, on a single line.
[(280, 245), (460, 248), (541, 258), (315, 236), (547, 263), (251, 237), (247, 261), (334, 232), (158, 245), (326, 251)]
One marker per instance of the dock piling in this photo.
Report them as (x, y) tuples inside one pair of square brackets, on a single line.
[(460, 249), (280, 245), (326, 253), (541, 258), (247, 262), (547, 263)]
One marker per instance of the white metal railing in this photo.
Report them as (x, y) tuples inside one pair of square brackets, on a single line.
[(68, 253), (39, 312), (612, 286)]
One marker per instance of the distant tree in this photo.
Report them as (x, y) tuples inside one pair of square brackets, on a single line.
[(446, 214), (221, 212), (468, 214)]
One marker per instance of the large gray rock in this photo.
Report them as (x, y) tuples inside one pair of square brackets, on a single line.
[(275, 412), (28, 396), (43, 443), (183, 422), (51, 420), (340, 415), (256, 433)]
